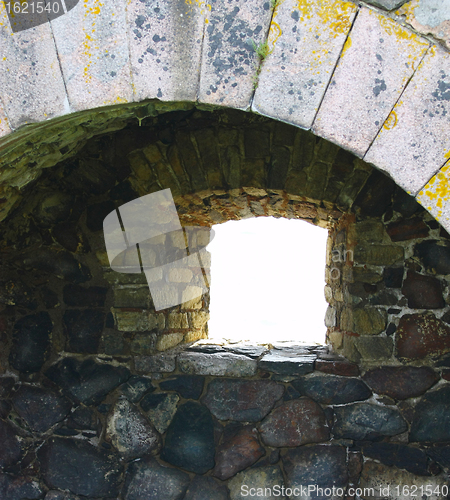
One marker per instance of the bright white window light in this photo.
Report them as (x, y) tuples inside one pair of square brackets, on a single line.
[(267, 281)]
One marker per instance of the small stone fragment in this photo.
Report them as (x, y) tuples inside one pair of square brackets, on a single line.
[(257, 480), (160, 409)]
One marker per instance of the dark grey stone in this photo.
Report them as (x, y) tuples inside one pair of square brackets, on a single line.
[(19, 488), (188, 386), (205, 488), (77, 466), (323, 466), (434, 255), (84, 329), (10, 449), (61, 264), (242, 400), (87, 381), (431, 420), (83, 418), (287, 363), (332, 389), (31, 342), (148, 480), (6, 384), (40, 408), (367, 421), (189, 442), (440, 453), (399, 455), (136, 387), (80, 296), (59, 495)]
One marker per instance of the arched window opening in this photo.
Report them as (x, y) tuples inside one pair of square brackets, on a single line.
[(267, 281)]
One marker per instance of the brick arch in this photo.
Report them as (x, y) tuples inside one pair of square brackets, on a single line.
[(349, 73)]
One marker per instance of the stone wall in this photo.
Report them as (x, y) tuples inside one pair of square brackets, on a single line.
[(93, 378)]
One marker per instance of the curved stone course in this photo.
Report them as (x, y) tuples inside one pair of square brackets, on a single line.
[(349, 72)]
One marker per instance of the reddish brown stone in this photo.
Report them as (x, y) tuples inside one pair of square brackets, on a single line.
[(423, 292), (344, 368), (294, 423), (422, 335), (400, 382), (407, 229), (237, 453)]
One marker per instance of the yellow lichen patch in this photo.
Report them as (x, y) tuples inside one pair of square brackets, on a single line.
[(335, 14), (347, 45), (408, 9), (274, 34), (92, 9), (437, 190), (391, 121), (205, 8)]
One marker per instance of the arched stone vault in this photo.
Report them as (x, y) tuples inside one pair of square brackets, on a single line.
[(348, 72)]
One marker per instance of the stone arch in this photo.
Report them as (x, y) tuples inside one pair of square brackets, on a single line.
[(316, 58)]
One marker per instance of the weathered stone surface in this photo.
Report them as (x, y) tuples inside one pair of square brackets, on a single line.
[(148, 479), (364, 321), (372, 348), (160, 409), (31, 81), (378, 255), (130, 432), (332, 390), (226, 364), (237, 453), (440, 453), (87, 381), (59, 495), (400, 382), (251, 399), (402, 149), (136, 387), (229, 61), (188, 386), (435, 197), (367, 421), (31, 342), (80, 468), (422, 335), (40, 408), (61, 264), (94, 59), (189, 442), (83, 418), (295, 423), (377, 61), (252, 351), (423, 292), (287, 363), (399, 455), (343, 368), (324, 466), (6, 384), (434, 255), (292, 82), (408, 229), (386, 478), (80, 296), (165, 363), (164, 63), (19, 488), (10, 451), (205, 488), (256, 480), (84, 329), (431, 420), (393, 277), (387, 4)]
